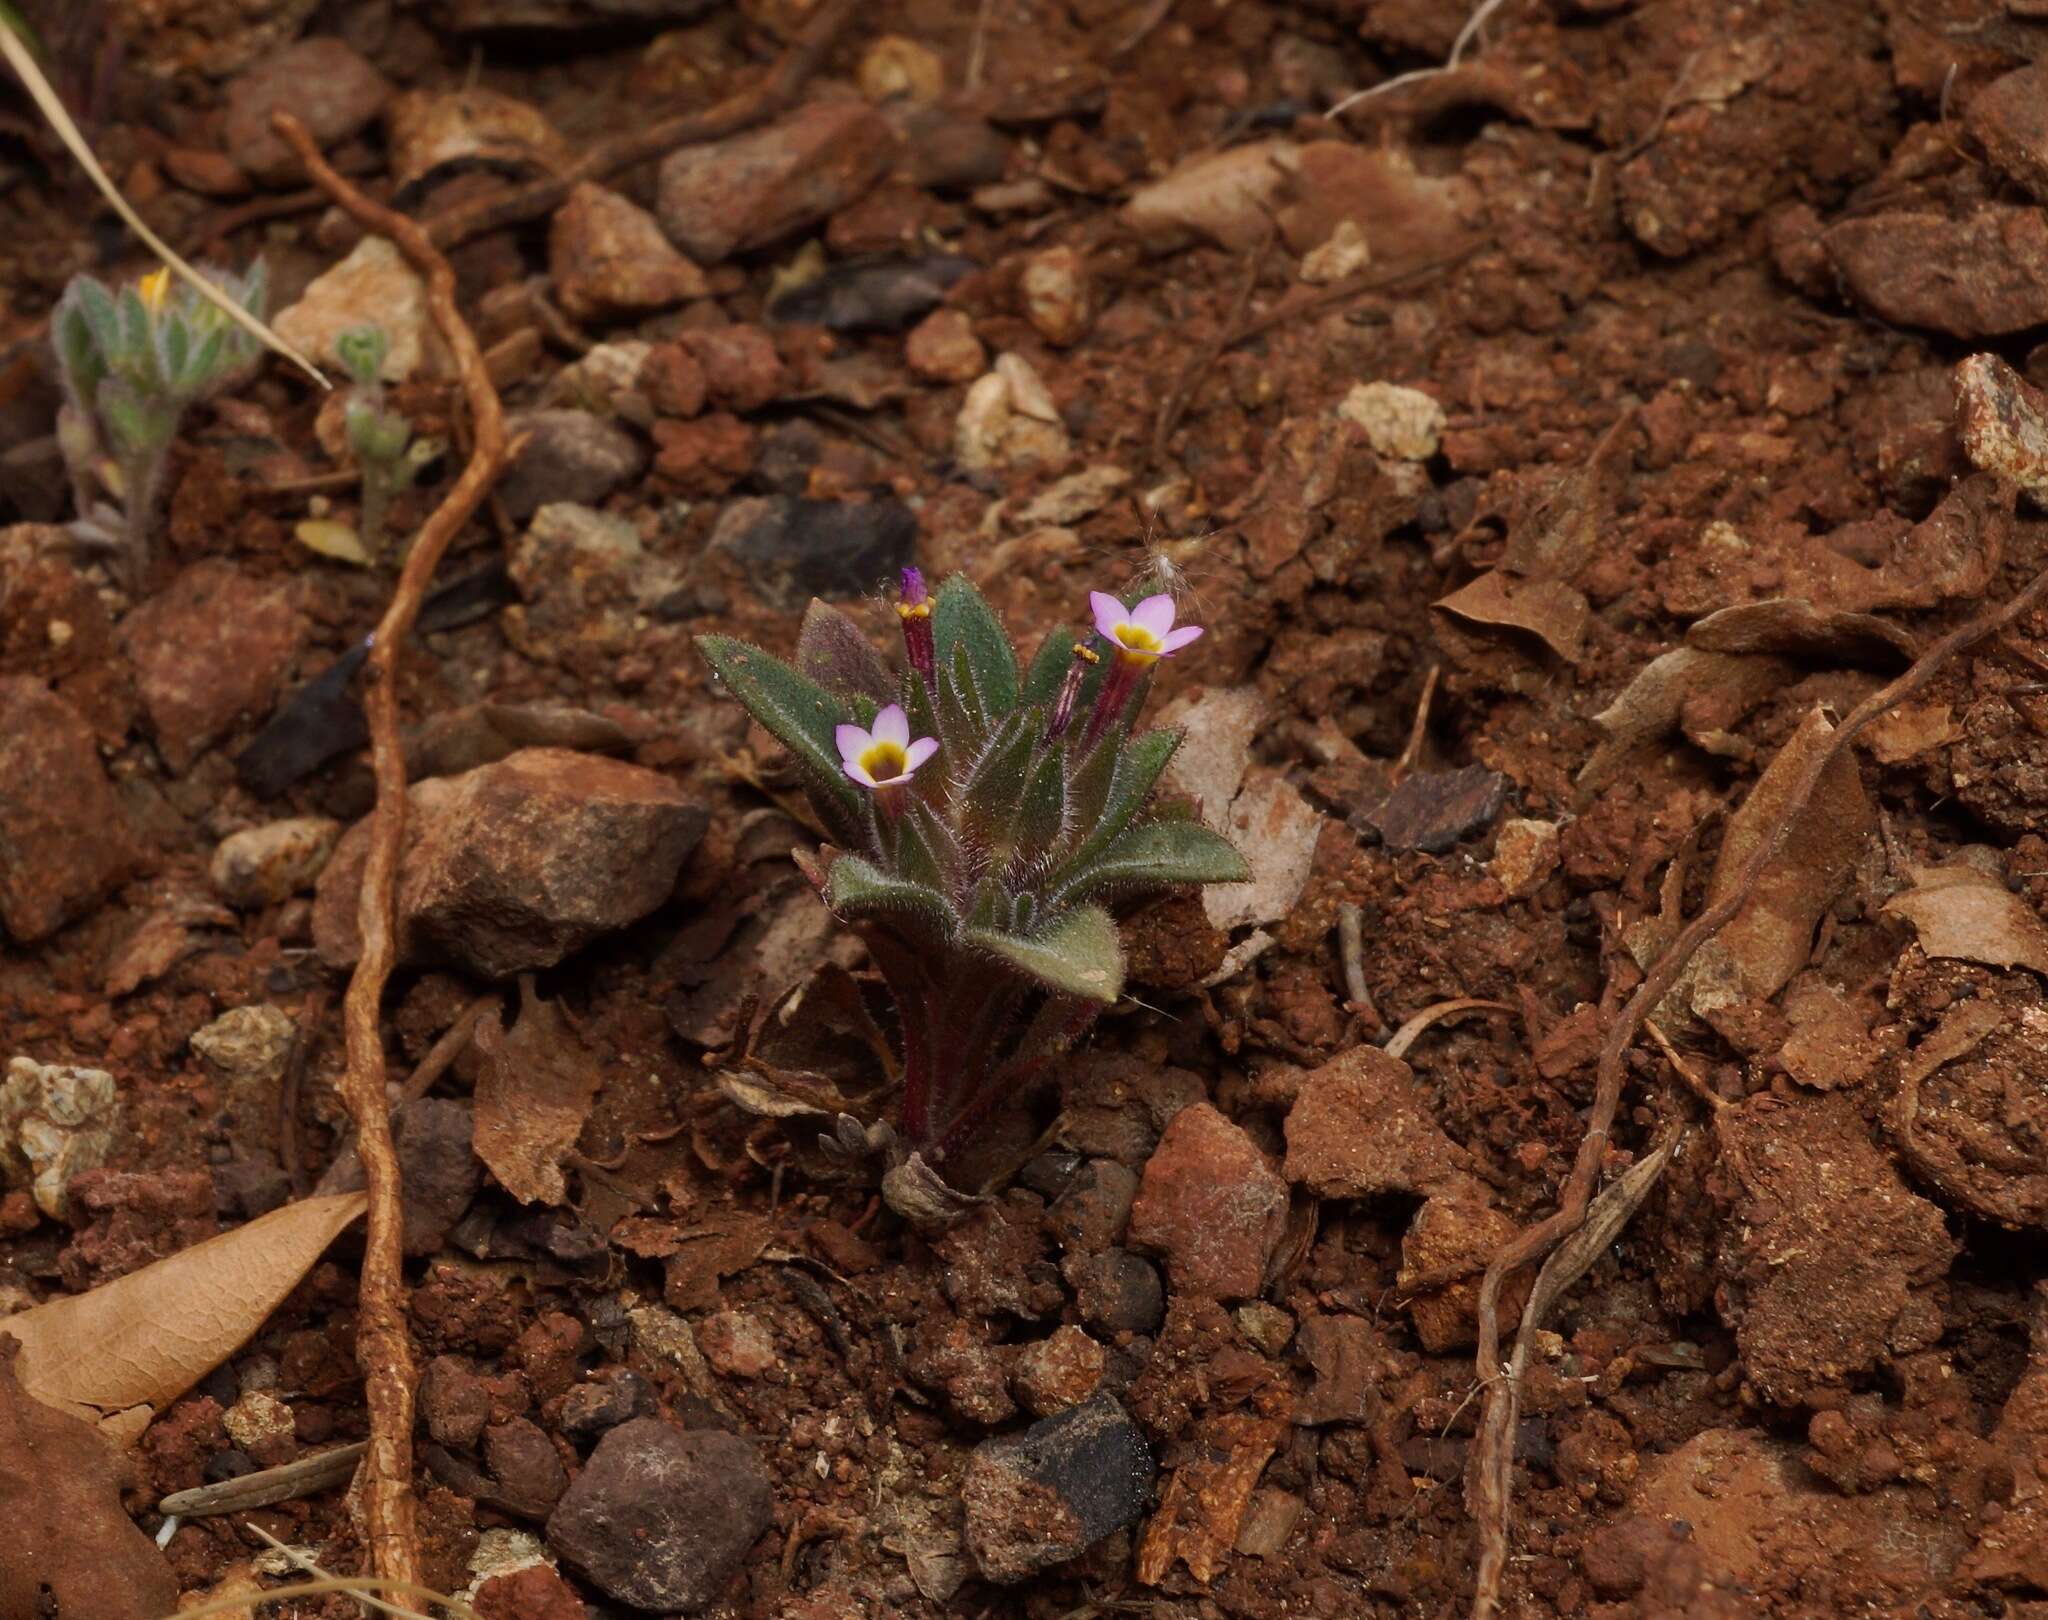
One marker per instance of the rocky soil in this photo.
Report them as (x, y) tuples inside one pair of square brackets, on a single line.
[(1595, 402)]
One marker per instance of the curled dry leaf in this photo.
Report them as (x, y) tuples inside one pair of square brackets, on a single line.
[(123, 1352), (1687, 689), (1548, 609), (914, 1190), (1790, 627), (1769, 939), (532, 1097), (1962, 911), (70, 1551)]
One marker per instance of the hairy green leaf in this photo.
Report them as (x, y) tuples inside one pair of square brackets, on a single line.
[(793, 709), (1155, 856), (859, 888), (1042, 808), (962, 621), (965, 719), (920, 845), (96, 306), (1078, 955), (173, 350), (1135, 772), (77, 354), (995, 779), (207, 362), (831, 650)]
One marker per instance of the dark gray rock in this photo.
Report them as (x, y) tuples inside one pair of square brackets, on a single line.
[(660, 1518), (1432, 810), (1041, 1497), (1117, 1291), (796, 549), (570, 455), (435, 1137)]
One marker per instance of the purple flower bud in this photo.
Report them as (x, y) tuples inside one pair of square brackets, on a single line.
[(915, 610)]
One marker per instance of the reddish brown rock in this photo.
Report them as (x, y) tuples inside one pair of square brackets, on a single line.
[(608, 257), (321, 82), (1830, 1263), (513, 866), (751, 189), (673, 381), (533, 1593), (1058, 1372), (1451, 1241), (1972, 278), (2009, 118), (63, 838), (742, 371), (1359, 1128), (1211, 1204), (943, 348), (703, 457), (209, 652)]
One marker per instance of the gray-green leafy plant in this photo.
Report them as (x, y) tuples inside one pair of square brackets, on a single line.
[(132, 363), (386, 452), (983, 818)]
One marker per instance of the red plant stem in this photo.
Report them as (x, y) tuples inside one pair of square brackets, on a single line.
[(1117, 688)]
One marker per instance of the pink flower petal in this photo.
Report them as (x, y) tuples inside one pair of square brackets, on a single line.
[(1155, 613), (1174, 640), (852, 740), (892, 725), (918, 752), (859, 772), (1109, 613)]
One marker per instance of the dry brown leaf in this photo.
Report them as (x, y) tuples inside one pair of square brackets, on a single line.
[(532, 1097), (69, 1550), (1688, 688), (1548, 609), (126, 1350), (1966, 913), (1792, 628), (708, 1252), (1910, 730), (1769, 939)]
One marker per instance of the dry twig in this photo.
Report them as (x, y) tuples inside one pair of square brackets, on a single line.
[(756, 105), (1466, 37), (1418, 732), (1490, 1475), (382, 1346)]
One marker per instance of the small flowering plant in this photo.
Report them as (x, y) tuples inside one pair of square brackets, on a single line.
[(132, 362), (982, 817), (381, 438)]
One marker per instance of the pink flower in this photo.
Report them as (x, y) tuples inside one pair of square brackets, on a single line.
[(1142, 634), (883, 757)]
